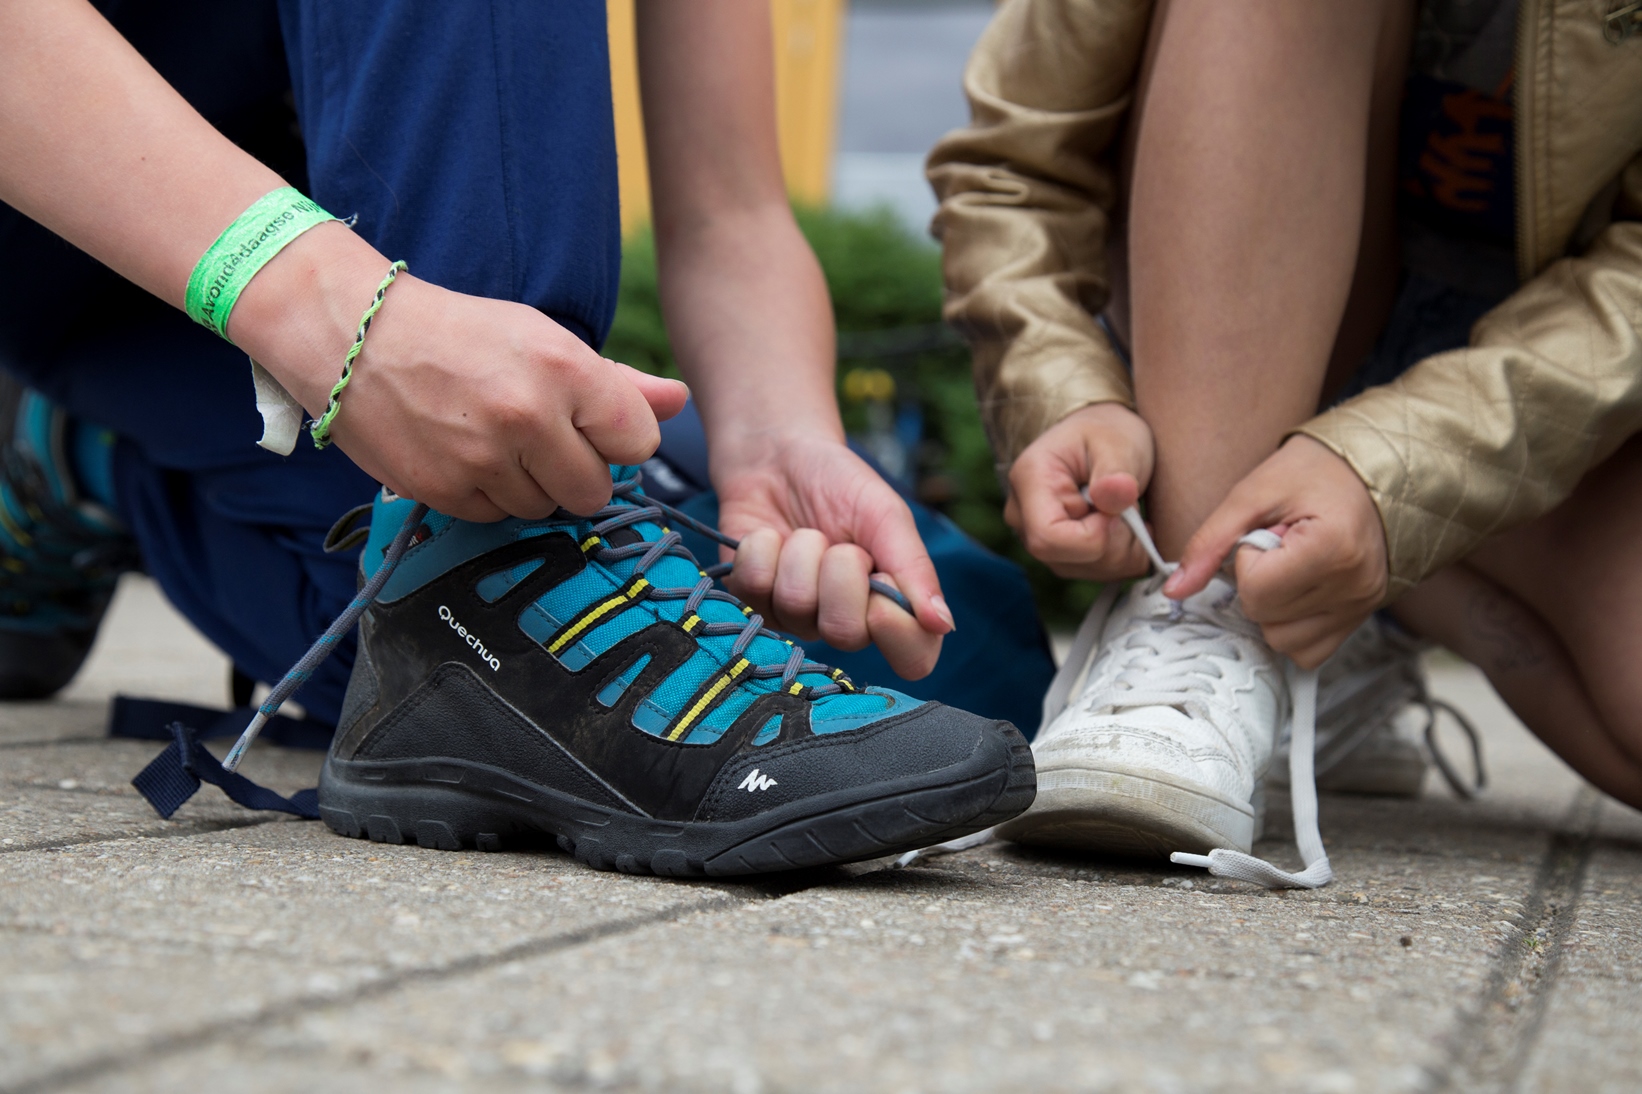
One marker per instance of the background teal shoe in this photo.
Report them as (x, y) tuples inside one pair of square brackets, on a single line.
[(60, 552)]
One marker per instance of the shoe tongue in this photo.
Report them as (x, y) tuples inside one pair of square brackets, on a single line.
[(623, 537), (621, 472), (1216, 603)]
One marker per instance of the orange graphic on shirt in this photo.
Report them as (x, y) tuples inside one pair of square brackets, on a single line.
[(1458, 164)]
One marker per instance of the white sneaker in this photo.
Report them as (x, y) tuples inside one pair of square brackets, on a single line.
[(1173, 728), (1175, 725)]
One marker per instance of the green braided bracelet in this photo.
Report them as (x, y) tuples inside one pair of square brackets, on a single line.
[(321, 429), (244, 247)]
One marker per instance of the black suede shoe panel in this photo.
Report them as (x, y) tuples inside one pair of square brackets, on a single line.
[(359, 702), (409, 638), (455, 716)]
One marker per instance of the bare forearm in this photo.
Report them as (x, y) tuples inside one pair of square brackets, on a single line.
[(751, 325), (742, 293), (96, 146), (481, 408)]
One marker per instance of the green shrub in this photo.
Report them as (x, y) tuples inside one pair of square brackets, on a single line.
[(886, 295)]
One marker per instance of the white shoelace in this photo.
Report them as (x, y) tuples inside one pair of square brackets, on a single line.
[(1222, 861)]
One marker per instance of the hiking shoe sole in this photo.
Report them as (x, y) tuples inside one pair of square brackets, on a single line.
[(454, 804)]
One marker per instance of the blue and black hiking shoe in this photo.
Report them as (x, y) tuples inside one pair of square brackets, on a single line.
[(581, 678), (60, 552)]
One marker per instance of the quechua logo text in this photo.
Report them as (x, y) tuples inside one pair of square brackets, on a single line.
[(471, 639)]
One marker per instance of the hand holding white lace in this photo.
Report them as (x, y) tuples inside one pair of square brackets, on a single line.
[(1172, 662)]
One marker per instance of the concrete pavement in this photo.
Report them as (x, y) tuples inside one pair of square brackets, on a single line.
[(1488, 946)]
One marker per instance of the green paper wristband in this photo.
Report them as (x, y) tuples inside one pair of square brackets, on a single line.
[(260, 233)]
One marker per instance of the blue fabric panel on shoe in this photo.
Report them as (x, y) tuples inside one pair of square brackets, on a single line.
[(36, 417), (568, 598), (575, 657), (768, 732), (606, 635), (672, 693), (837, 713), (651, 718), (493, 587), (453, 542), (535, 621), (538, 624), (575, 531), (723, 716), (612, 692)]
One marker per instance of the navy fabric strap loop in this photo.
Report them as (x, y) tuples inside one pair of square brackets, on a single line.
[(150, 720), (175, 775)]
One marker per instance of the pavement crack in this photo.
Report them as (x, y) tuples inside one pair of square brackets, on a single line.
[(200, 1036), (170, 830), (1492, 1042)]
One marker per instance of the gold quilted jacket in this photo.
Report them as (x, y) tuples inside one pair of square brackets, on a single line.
[(1467, 443)]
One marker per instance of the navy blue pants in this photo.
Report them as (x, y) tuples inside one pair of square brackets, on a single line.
[(476, 142)]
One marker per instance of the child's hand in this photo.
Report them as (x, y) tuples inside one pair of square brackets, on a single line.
[(1329, 574), (1106, 447), (815, 524)]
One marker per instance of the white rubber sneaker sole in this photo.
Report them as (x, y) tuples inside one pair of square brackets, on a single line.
[(1133, 812)]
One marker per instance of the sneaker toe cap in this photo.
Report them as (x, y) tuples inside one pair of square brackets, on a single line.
[(1146, 743)]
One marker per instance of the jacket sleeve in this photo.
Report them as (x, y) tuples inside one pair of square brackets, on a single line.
[(1470, 443), (1026, 195)]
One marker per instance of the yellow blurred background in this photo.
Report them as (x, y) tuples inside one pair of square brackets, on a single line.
[(808, 36)]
